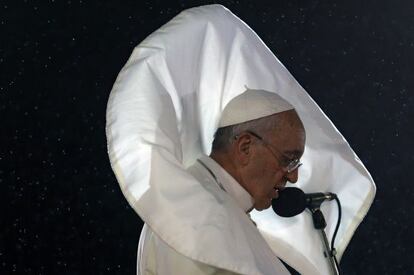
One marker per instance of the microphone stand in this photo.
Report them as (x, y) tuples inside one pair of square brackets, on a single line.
[(319, 223)]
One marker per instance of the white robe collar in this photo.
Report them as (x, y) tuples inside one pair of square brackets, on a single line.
[(230, 185)]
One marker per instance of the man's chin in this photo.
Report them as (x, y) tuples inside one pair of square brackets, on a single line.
[(262, 206)]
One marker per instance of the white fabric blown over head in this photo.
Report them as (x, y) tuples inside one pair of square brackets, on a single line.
[(162, 113)]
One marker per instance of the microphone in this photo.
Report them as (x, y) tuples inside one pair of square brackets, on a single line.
[(293, 201)]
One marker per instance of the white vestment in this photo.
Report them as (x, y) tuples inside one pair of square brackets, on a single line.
[(157, 257)]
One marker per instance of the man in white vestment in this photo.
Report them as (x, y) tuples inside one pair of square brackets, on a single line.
[(255, 152), (187, 81)]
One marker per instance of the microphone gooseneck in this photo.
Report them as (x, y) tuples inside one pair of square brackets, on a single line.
[(293, 201)]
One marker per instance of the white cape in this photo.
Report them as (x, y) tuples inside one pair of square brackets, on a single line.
[(162, 113)]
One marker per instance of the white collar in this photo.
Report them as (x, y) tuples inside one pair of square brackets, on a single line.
[(243, 199)]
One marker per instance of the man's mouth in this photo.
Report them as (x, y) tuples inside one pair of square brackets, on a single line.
[(275, 194)]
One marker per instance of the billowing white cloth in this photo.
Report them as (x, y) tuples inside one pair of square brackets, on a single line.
[(156, 257), (162, 112)]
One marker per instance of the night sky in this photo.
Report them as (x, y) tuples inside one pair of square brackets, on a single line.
[(62, 211)]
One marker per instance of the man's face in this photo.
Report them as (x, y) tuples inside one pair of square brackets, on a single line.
[(266, 171)]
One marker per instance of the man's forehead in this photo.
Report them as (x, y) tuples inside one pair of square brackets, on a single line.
[(287, 122), (289, 137)]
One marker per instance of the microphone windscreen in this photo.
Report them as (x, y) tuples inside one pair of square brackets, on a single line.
[(291, 202)]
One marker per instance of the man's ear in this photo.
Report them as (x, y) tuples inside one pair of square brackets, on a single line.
[(243, 147)]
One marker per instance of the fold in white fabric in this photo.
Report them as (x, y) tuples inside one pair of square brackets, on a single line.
[(162, 113)]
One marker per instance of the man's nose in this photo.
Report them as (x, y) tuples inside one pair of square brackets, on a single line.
[(292, 176)]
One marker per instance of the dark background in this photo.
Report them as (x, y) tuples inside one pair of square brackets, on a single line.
[(62, 211)]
